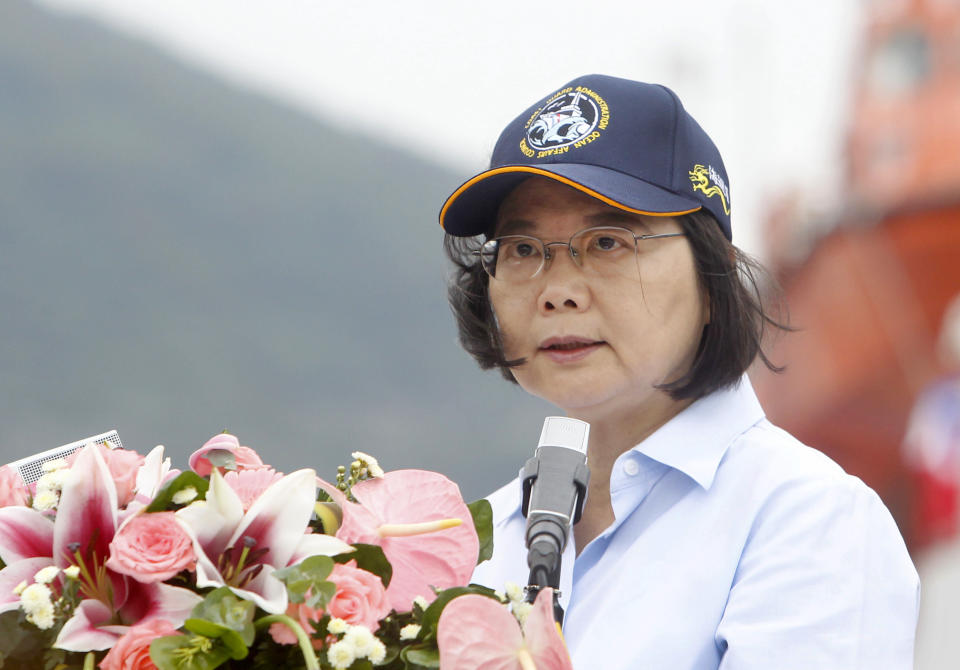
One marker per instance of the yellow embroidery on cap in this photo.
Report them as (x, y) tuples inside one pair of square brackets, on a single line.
[(701, 177)]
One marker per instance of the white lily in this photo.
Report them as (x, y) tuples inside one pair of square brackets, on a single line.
[(153, 473)]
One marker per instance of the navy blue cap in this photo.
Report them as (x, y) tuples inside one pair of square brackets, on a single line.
[(629, 144)]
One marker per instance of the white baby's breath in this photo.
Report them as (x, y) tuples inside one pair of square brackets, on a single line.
[(410, 631), (337, 626), (46, 575), (18, 589), (378, 653), (521, 611), (514, 592), (72, 572), (361, 639), (35, 598), (53, 481), (421, 602), (61, 477), (184, 495), (42, 617), (373, 467), (45, 500), (340, 654)]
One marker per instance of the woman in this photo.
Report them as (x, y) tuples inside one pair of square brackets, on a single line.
[(595, 269)]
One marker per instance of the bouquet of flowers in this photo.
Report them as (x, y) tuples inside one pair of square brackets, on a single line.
[(113, 560)]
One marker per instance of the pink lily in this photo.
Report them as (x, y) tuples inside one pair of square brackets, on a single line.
[(12, 489), (241, 549), (21, 571), (477, 633), (402, 512), (80, 535)]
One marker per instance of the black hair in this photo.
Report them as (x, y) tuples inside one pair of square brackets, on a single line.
[(730, 279)]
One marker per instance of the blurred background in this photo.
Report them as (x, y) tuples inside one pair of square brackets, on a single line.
[(222, 215)]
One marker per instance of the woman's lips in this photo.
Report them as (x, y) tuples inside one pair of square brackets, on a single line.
[(568, 350)]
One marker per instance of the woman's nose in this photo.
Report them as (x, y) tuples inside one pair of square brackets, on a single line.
[(564, 285)]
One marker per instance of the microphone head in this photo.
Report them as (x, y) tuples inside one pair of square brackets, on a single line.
[(562, 431)]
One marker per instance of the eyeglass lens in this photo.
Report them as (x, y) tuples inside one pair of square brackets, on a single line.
[(605, 251)]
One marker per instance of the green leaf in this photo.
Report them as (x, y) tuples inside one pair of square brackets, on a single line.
[(164, 499), (393, 651), (482, 515), (186, 652), (420, 657), (21, 640), (369, 557), (205, 628), (309, 576), (227, 618), (221, 606)]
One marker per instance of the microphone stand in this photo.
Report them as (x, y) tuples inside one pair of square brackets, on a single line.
[(545, 552)]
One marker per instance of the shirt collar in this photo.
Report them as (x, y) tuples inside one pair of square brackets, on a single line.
[(695, 440)]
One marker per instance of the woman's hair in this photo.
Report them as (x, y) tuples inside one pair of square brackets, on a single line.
[(729, 278)]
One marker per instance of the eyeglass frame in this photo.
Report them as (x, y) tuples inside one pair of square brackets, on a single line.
[(547, 256)]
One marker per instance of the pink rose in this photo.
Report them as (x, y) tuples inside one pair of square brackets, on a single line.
[(151, 548), (132, 651), (245, 457), (12, 489), (360, 599), (124, 465)]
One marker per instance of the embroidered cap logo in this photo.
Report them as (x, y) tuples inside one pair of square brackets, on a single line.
[(709, 182), (566, 119)]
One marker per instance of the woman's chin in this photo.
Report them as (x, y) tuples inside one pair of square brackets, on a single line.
[(578, 398)]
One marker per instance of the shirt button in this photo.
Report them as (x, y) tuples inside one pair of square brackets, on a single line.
[(631, 467)]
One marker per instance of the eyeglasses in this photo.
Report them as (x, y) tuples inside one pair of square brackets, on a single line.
[(605, 251)]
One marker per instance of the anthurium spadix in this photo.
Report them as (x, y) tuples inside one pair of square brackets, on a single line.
[(80, 535), (241, 550)]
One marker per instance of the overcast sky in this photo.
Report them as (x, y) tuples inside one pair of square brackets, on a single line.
[(769, 81)]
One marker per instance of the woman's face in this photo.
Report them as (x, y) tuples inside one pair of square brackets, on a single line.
[(597, 344)]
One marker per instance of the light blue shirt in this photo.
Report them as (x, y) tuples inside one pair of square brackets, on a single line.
[(734, 546)]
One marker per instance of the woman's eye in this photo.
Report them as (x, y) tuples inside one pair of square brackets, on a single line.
[(524, 250), (606, 243)]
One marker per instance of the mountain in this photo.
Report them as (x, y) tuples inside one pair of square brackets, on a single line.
[(183, 256)]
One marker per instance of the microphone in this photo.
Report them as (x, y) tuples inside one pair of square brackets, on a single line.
[(554, 490)]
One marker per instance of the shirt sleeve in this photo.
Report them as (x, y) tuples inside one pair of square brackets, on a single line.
[(824, 581)]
